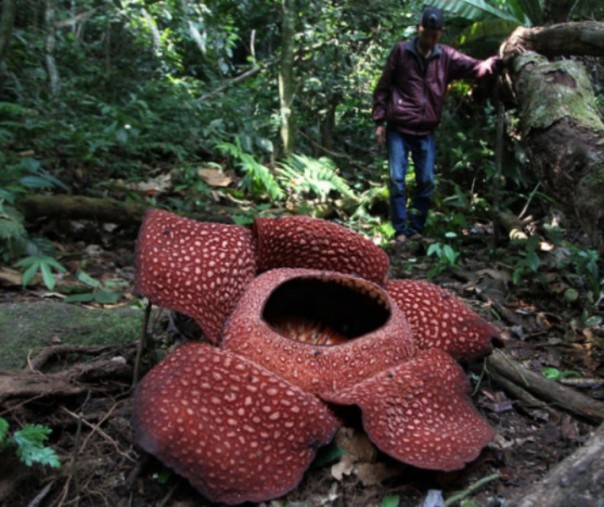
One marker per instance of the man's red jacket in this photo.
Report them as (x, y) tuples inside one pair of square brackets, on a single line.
[(411, 92)]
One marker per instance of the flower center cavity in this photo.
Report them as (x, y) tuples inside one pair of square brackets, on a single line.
[(326, 310)]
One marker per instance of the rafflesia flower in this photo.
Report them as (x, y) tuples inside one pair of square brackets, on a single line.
[(300, 318)]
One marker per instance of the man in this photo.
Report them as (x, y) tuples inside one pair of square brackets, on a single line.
[(407, 107)]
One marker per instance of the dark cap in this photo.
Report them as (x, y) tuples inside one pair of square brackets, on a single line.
[(432, 18)]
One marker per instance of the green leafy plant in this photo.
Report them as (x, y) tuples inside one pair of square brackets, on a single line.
[(328, 455), (557, 375), (95, 291), (43, 264), (527, 260), (258, 179), (390, 501), (29, 444), (307, 178), (17, 179), (447, 256)]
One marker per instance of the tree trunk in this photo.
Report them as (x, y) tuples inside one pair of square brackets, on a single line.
[(561, 125), (558, 11), (328, 123), (580, 38), (51, 66), (286, 75), (578, 480)]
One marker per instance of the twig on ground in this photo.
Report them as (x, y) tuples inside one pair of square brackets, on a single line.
[(95, 427), (470, 489), (37, 500)]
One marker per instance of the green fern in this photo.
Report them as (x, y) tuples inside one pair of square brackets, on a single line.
[(258, 178), (29, 443), (309, 177)]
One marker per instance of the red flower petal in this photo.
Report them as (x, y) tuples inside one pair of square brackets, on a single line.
[(441, 320), (197, 268), (234, 430), (420, 413), (351, 328), (312, 243)]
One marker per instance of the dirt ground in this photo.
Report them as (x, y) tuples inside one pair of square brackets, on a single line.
[(90, 410)]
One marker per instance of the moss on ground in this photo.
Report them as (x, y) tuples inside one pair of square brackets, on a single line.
[(31, 326)]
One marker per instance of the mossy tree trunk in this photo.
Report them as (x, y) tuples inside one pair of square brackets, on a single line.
[(287, 83), (561, 125)]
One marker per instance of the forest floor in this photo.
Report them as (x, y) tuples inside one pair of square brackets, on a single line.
[(89, 405)]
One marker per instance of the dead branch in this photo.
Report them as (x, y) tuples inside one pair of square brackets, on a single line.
[(69, 382), (545, 389), (241, 77), (48, 353)]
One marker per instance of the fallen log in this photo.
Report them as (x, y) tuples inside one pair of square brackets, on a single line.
[(72, 381), (104, 209), (78, 207)]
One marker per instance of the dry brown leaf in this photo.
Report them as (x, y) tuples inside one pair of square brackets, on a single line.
[(10, 277), (214, 177), (375, 473), (356, 444), (343, 467)]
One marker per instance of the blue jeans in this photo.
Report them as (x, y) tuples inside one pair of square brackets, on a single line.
[(423, 153)]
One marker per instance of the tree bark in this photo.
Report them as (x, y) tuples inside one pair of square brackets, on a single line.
[(286, 75), (51, 65), (561, 125), (577, 480), (68, 207), (81, 208), (581, 38)]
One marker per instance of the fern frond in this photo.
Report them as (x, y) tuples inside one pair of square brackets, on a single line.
[(309, 176)]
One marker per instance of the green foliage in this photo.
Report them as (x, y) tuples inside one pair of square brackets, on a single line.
[(258, 180), (43, 264), (18, 178), (97, 291), (310, 183), (390, 501), (164, 476), (327, 455), (29, 444), (447, 256), (584, 263), (557, 375), (527, 259)]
